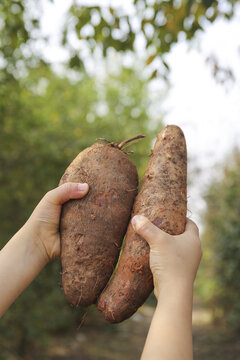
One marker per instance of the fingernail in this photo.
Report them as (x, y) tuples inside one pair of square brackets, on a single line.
[(82, 187), (135, 220)]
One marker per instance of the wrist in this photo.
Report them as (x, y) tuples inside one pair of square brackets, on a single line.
[(175, 290), (21, 261), (34, 246)]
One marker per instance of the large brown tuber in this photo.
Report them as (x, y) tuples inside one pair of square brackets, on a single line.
[(162, 199), (92, 229)]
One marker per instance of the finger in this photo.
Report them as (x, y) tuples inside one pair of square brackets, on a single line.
[(67, 191), (191, 227), (143, 227)]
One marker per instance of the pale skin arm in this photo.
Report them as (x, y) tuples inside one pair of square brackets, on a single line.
[(35, 244), (174, 261)]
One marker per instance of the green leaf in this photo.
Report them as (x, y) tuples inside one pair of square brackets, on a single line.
[(75, 62)]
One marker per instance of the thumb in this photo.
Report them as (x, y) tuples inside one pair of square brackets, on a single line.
[(67, 191), (147, 230)]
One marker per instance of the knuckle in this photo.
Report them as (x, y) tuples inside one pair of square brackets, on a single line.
[(48, 195), (143, 227), (197, 229), (201, 251), (194, 227), (68, 187)]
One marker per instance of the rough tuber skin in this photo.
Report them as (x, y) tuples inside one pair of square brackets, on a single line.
[(162, 199), (92, 229)]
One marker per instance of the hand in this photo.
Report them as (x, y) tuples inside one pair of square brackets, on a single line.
[(173, 259), (43, 224), (37, 242)]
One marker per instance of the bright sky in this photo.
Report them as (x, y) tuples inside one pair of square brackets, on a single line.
[(208, 113)]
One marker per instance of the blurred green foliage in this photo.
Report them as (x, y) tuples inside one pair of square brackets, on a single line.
[(156, 24), (220, 270), (46, 121), (19, 28)]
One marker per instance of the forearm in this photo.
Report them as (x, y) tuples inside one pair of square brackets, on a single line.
[(20, 261), (170, 333)]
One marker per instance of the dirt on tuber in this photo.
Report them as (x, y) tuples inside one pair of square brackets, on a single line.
[(92, 228), (162, 199)]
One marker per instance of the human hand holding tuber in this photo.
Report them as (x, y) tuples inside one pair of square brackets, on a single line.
[(173, 258), (44, 221), (174, 262), (35, 244)]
